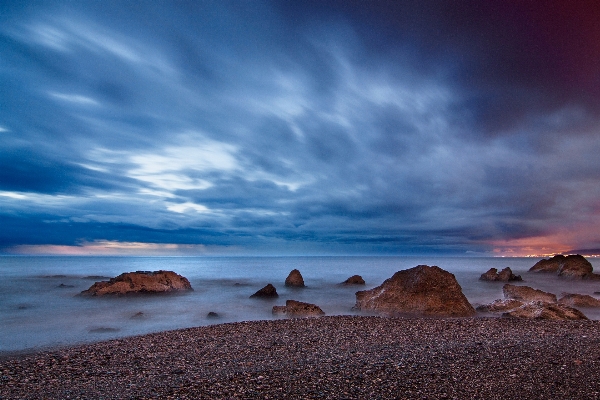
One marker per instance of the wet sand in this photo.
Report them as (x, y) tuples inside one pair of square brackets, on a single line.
[(329, 357)]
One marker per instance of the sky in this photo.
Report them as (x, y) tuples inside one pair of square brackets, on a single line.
[(299, 127)]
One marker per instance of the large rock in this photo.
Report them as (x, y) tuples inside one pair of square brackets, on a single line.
[(526, 293), (295, 308), (505, 275), (578, 300), (543, 310), (294, 279), (268, 291), (140, 282), (548, 265), (422, 290), (500, 305), (354, 280), (572, 266)]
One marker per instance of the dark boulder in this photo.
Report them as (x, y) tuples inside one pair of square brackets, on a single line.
[(505, 275), (268, 291), (294, 279), (422, 290), (354, 280)]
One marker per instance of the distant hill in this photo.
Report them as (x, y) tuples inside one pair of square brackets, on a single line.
[(583, 252)]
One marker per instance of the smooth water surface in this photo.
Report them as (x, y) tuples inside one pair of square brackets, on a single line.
[(39, 306)]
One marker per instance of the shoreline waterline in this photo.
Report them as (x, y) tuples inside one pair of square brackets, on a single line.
[(40, 308)]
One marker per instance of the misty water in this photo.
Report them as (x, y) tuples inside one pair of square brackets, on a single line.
[(39, 306)]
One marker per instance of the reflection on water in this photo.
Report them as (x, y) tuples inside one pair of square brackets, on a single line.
[(39, 305)]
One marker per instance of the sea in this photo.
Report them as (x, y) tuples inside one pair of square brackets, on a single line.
[(40, 307)]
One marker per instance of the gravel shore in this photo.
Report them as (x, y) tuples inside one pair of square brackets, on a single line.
[(329, 357)]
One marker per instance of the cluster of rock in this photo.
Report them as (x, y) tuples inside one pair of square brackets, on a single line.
[(506, 275), (419, 291), (140, 282), (572, 266), (527, 302)]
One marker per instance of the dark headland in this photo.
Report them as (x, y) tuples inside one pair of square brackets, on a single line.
[(329, 357)]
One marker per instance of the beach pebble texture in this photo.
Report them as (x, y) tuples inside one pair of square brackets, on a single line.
[(337, 357)]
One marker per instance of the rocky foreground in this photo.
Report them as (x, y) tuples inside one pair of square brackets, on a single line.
[(329, 357)]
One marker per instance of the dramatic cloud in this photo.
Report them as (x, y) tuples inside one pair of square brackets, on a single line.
[(299, 127)]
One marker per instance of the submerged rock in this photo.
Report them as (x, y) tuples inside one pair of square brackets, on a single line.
[(543, 310), (572, 266), (578, 300), (295, 308), (526, 294), (505, 275), (354, 280), (422, 290), (140, 282), (294, 279), (267, 291), (212, 315)]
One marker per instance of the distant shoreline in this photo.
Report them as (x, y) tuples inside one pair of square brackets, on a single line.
[(327, 357)]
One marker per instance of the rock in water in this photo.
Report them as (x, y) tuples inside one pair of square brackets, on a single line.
[(267, 291), (526, 293), (503, 276), (548, 265), (422, 290), (543, 310), (294, 279), (490, 275), (354, 280), (575, 266), (140, 282), (572, 266), (578, 300), (295, 308), (507, 275)]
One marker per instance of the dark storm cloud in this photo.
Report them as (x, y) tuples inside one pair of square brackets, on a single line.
[(336, 126)]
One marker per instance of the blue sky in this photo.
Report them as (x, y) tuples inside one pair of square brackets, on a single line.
[(336, 127)]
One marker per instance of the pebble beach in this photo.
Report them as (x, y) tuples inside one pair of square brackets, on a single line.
[(351, 357)]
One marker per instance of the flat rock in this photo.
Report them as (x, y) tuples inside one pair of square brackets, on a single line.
[(268, 291), (354, 280), (500, 305), (505, 275), (295, 308), (526, 294), (543, 310), (572, 266), (294, 279), (422, 290), (140, 282), (578, 300)]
